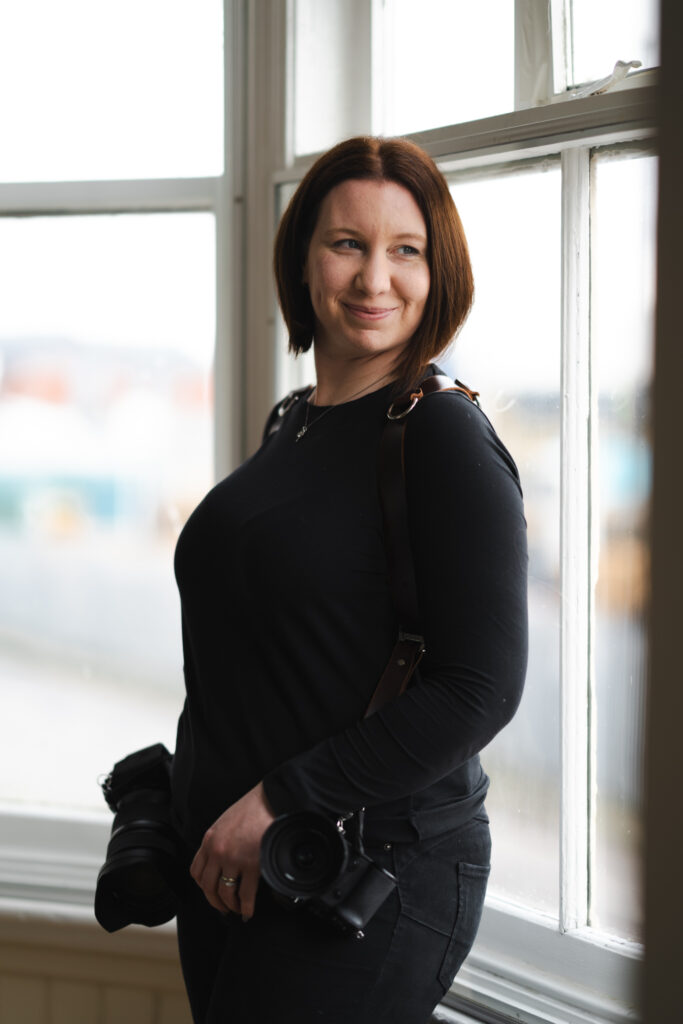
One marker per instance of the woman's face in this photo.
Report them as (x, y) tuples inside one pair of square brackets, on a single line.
[(367, 270)]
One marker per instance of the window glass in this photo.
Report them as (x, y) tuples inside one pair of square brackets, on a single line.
[(106, 346), (605, 31), (132, 89), (441, 63), (331, 55), (509, 350), (623, 291)]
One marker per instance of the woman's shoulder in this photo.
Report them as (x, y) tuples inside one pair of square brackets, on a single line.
[(446, 417), (448, 427)]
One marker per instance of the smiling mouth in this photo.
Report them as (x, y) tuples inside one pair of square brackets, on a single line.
[(369, 312)]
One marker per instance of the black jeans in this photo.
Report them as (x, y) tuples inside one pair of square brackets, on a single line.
[(287, 967)]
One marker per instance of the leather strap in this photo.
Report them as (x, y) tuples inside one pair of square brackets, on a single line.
[(391, 481)]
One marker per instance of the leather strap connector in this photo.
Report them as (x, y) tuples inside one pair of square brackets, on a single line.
[(403, 661)]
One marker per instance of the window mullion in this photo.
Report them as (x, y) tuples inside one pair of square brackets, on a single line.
[(267, 146), (228, 360), (533, 53), (575, 548), (560, 20)]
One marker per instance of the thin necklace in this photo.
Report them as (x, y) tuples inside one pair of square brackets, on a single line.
[(306, 425)]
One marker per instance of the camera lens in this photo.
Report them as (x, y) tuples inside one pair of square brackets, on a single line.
[(145, 869), (302, 854), (306, 860), (305, 856), (137, 885), (142, 882)]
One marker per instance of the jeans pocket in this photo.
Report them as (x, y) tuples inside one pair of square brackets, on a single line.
[(472, 879)]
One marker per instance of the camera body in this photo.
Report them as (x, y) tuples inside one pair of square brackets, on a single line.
[(146, 864), (308, 859)]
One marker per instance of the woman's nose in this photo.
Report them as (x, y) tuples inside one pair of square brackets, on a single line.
[(374, 275)]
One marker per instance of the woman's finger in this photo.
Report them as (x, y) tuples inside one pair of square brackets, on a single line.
[(210, 887), (205, 871), (228, 891), (198, 864), (247, 893)]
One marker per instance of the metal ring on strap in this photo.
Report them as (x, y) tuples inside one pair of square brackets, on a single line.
[(414, 398)]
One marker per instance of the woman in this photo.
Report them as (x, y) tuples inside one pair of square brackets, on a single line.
[(288, 621)]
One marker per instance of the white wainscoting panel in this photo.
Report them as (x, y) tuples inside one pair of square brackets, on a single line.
[(58, 967)]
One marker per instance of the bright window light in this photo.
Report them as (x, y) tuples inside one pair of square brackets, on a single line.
[(605, 31), (106, 349), (95, 90), (623, 292), (509, 350), (445, 61)]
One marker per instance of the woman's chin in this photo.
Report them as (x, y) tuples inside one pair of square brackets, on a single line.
[(362, 344)]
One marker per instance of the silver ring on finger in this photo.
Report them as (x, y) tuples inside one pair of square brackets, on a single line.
[(229, 882)]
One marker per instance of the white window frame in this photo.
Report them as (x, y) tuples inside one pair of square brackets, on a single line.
[(49, 858), (219, 195), (523, 966)]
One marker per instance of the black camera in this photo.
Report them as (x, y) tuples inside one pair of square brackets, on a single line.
[(146, 864), (309, 859)]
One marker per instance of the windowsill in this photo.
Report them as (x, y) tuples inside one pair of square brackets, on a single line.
[(523, 961), (51, 858)]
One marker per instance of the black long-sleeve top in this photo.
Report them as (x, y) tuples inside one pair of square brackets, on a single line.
[(288, 622)]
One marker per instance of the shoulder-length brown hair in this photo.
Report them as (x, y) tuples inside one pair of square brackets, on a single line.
[(451, 284)]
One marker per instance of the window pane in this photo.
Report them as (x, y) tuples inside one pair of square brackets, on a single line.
[(100, 90), (445, 61), (509, 350), (106, 344), (622, 337), (331, 54), (605, 31)]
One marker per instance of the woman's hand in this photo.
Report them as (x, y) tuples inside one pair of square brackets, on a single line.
[(231, 850)]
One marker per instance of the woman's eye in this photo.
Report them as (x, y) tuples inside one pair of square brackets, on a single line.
[(408, 250), (347, 243)]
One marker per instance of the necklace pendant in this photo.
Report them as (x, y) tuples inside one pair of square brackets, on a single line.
[(300, 433)]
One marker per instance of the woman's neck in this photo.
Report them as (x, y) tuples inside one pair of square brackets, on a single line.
[(338, 382)]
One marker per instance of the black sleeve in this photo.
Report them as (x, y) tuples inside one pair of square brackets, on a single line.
[(468, 534)]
